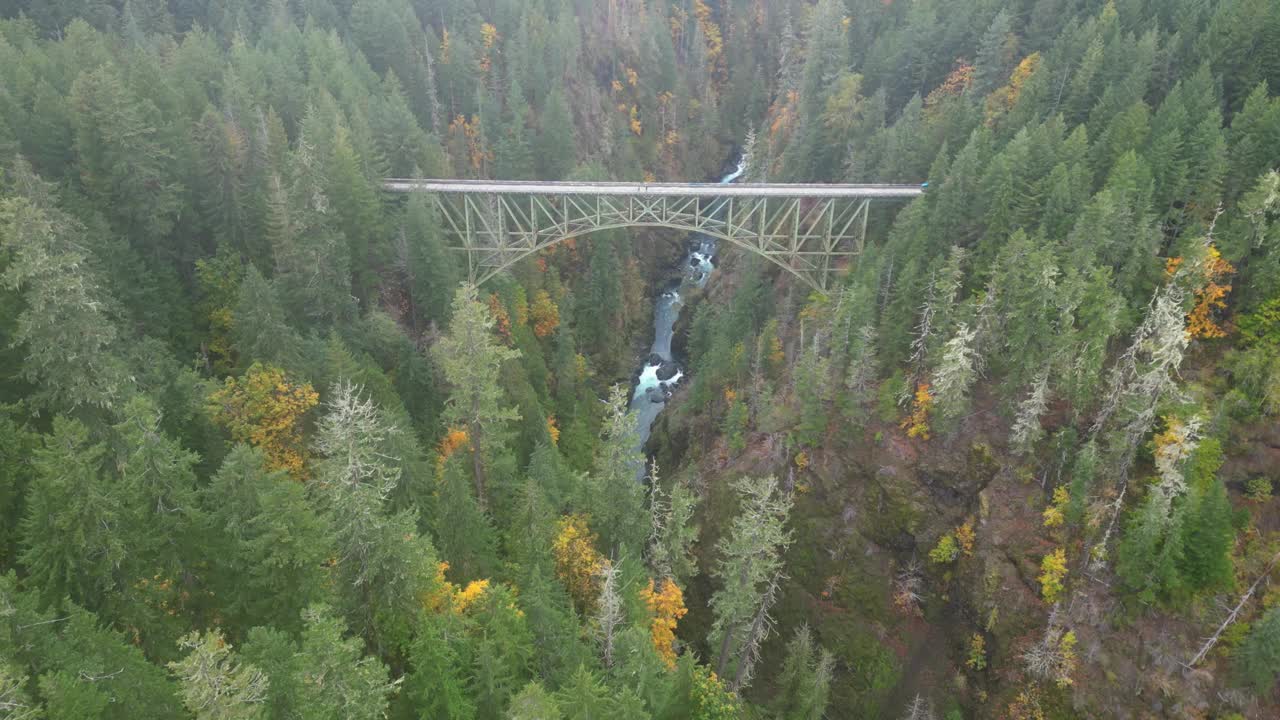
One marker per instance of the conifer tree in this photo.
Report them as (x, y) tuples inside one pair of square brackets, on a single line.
[(71, 539), (214, 685), (1258, 659), (955, 374), (324, 674), (813, 389), (268, 545), (615, 493), (382, 563), (805, 679), (437, 684), (125, 163), (465, 533), (672, 533), (502, 650), (86, 668), (472, 360), (555, 149), (534, 703), (65, 326), (750, 555), (1027, 430)]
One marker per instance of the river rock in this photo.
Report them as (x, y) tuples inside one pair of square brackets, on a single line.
[(667, 370)]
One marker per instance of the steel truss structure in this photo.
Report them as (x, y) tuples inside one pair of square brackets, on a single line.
[(805, 229)]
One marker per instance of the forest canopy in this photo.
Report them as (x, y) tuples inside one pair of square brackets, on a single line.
[(266, 453)]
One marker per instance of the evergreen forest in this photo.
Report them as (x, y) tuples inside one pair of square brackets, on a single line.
[(266, 453)]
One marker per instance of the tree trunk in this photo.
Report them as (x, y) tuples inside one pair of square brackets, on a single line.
[(477, 468), (724, 648)]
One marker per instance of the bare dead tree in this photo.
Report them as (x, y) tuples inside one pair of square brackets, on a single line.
[(1231, 617)]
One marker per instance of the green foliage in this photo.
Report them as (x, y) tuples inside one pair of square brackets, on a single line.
[(323, 674), (66, 314), (437, 685), (471, 360), (268, 545), (1262, 327), (735, 425), (534, 703), (750, 558), (69, 538), (1258, 658), (214, 685), (63, 643), (1171, 552), (1258, 489), (945, 551), (805, 679), (217, 206), (615, 497)]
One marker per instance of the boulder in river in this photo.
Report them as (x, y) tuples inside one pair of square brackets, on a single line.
[(667, 370)]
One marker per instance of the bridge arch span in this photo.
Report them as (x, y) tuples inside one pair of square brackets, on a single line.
[(804, 229)]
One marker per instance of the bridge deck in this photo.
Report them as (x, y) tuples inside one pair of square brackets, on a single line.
[(753, 190)]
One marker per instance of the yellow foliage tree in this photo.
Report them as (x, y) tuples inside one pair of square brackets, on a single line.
[(578, 563), (965, 537), (1056, 513), (521, 309), (1067, 659), (917, 423), (636, 127), (802, 460), (710, 32), (448, 597), (545, 314), (265, 409), (464, 598), (1053, 569), (667, 606), (977, 659), (488, 38), (1004, 99)]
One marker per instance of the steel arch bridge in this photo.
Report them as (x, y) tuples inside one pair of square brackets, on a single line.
[(804, 229)]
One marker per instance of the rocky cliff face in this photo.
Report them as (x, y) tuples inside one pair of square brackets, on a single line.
[(871, 505)]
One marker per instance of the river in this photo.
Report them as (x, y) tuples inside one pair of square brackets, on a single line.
[(661, 373)]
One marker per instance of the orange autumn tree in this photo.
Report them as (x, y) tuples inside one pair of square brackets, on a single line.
[(545, 314), (500, 316), (1210, 297), (466, 144), (958, 82), (265, 409), (454, 438), (578, 563), (667, 606)]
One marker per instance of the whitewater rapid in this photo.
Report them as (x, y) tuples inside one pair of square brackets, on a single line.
[(660, 374)]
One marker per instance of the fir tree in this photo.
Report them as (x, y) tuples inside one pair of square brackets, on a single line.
[(751, 554)]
